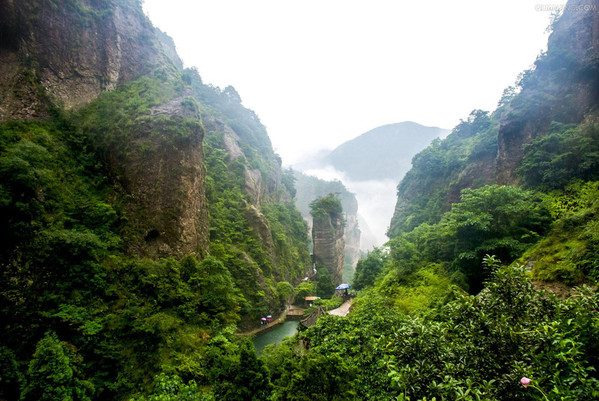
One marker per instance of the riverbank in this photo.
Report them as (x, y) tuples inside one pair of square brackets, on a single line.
[(292, 313), (276, 335)]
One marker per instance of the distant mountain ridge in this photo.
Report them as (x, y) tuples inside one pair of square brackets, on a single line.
[(384, 152)]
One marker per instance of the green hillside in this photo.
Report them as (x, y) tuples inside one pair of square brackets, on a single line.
[(146, 218)]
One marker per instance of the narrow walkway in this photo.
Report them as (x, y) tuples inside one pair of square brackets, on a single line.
[(343, 310)]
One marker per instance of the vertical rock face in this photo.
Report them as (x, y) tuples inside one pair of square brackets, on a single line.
[(68, 53), (75, 49), (327, 236), (165, 183), (563, 87), (310, 188), (261, 186)]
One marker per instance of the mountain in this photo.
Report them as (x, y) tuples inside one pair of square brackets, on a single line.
[(144, 213), (540, 143), (384, 152), (370, 166)]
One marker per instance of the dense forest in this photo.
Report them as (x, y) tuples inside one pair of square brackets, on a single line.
[(147, 224)]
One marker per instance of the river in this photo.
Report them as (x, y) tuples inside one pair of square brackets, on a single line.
[(276, 335)]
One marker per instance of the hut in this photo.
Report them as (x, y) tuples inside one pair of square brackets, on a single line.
[(309, 301)]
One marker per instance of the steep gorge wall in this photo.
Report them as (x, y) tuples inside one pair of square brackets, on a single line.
[(71, 51), (164, 179), (71, 55), (563, 87), (327, 236)]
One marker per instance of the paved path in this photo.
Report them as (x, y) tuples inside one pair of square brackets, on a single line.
[(343, 310)]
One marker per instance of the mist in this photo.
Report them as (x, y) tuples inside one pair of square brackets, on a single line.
[(376, 203)]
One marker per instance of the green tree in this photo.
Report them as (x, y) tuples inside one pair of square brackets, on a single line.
[(10, 377), (50, 376), (326, 206), (552, 161), (172, 388), (304, 289), (494, 220), (284, 291), (368, 269), (324, 285), (219, 299), (319, 378), (251, 379)]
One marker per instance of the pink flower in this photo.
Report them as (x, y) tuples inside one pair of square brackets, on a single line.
[(525, 381)]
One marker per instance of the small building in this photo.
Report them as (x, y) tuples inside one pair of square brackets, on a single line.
[(310, 300)]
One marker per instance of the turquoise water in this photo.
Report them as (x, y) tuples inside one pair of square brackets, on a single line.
[(276, 335)]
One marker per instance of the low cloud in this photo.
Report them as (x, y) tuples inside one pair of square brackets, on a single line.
[(376, 203)]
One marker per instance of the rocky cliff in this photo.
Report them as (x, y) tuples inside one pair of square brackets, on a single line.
[(133, 233), (310, 188), (487, 148), (71, 51), (118, 84), (327, 236), (70, 56), (562, 87)]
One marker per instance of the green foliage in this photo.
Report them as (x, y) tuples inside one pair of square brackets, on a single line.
[(495, 220), (51, 376), (417, 291), (217, 295), (289, 232), (328, 206), (552, 161), (172, 388), (114, 121), (317, 378), (251, 380), (425, 192), (324, 284), (569, 251), (368, 269), (10, 377), (304, 289), (326, 304), (284, 291), (288, 181), (470, 348), (233, 239)]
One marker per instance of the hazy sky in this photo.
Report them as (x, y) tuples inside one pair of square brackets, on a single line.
[(320, 72)]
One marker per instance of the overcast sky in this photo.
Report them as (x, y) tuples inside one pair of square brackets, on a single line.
[(320, 72)]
